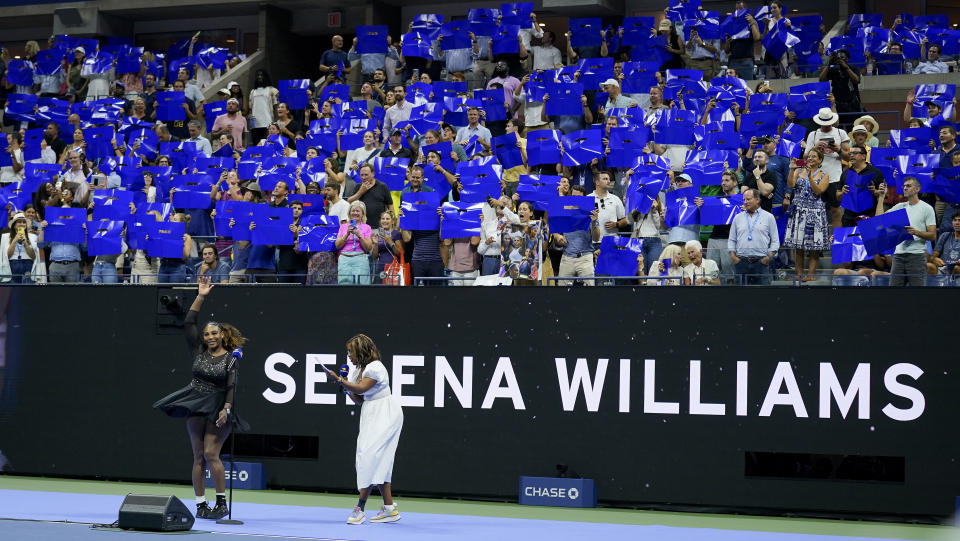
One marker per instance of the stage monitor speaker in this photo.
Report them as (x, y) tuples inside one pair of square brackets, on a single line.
[(154, 513)]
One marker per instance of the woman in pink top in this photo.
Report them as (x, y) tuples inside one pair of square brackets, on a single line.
[(354, 240)]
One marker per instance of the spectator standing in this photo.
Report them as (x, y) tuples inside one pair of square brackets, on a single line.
[(291, 264), (909, 257), (173, 270), (834, 144), (14, 172), (611, 215), (807, 231), (844, 82), (754, 241), (370, 62), (472, 128), (872, 128), (546, 56), (703, 54), (64, 256), (21, 259), (263, 102), (334, 57), (717, 243), (231, 122), (860, 166), (354, 240), (577, 258), (374, 194), (388, 245), (398, 112), (680, 234), (195, 130), (740, 50)]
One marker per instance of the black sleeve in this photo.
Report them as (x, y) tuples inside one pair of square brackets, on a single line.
[(192, 331)]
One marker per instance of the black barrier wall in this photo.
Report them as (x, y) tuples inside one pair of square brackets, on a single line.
[(787, 399)]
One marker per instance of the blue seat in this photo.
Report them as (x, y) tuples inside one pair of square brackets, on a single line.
[(938, 280), (881, 280), (848, 280)]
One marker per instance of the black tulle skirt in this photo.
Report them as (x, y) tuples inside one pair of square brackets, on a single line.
[(190, 402)]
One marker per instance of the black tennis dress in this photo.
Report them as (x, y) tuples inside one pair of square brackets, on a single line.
[(212, 385)]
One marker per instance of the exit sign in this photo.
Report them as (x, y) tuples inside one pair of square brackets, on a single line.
[(334, 19)]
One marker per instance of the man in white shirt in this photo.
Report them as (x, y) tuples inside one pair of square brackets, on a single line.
[(546, 56), (933, 63), (700, 271), (398, 112), (835, 144), (910, 256), (612, 215), (203, 144), (338, 207)]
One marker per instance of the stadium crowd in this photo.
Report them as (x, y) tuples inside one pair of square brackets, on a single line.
[(655, 147)]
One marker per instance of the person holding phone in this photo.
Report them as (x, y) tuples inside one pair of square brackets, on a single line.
[(354, 240), (206, 401), (381, 421), (834, 144), (20, 258), (807, 232)]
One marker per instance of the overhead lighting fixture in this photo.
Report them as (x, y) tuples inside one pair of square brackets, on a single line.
[(17, 57), (231, 41), (543, 24), (729, 13), (795, 10)]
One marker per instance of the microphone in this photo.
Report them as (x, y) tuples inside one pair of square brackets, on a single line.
[(235, 356)]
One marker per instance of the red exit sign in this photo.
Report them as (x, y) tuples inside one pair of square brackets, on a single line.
[(334, 19)]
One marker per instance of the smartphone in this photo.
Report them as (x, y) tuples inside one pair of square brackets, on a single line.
[(828, 140), (416, 74), (801, 163), (353, 223)]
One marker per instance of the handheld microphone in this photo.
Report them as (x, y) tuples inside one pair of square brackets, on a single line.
[(235, 356), (344, 372)]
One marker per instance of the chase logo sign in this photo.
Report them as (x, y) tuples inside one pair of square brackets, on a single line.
[(246, 475), (557, 492)]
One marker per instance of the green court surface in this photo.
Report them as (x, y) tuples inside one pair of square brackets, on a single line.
[(511, 510)]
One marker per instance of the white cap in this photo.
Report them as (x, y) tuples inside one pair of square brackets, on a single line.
[(610, 82), (223, 91), (232, 84)]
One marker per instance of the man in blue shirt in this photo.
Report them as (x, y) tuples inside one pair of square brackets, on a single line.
[(332, 58), (371, 62), (218, 271), (754, 240), (64, 256), (472, 128), (577, 259)]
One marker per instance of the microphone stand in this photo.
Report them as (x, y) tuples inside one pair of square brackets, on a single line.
[(233, 446)]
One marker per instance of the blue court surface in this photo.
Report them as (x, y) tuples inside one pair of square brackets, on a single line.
[(30, 515)]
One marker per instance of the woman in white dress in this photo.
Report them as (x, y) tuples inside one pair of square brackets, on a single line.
[(381, 420)]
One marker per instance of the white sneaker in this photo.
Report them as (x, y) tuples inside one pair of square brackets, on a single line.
[(388, 513), (356, 517)]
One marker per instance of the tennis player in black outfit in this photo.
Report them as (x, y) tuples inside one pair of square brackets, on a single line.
[(206, 401)]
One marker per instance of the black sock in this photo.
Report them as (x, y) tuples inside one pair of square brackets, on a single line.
[(221, 500), (362, 503)]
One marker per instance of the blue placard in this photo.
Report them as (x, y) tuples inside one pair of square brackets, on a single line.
[(246, 475), (273, 226), (372, 39), (618, 257), (318, 233), (105, 237), (586, 32), (165, 239), (111, 204), (558, 492), (65, 224), (295, 93), (420, 211)]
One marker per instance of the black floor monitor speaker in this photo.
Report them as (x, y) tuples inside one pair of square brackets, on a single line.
[(154, 513)]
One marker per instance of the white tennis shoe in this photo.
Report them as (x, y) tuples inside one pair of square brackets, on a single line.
[(388, 513), (357, 516)]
